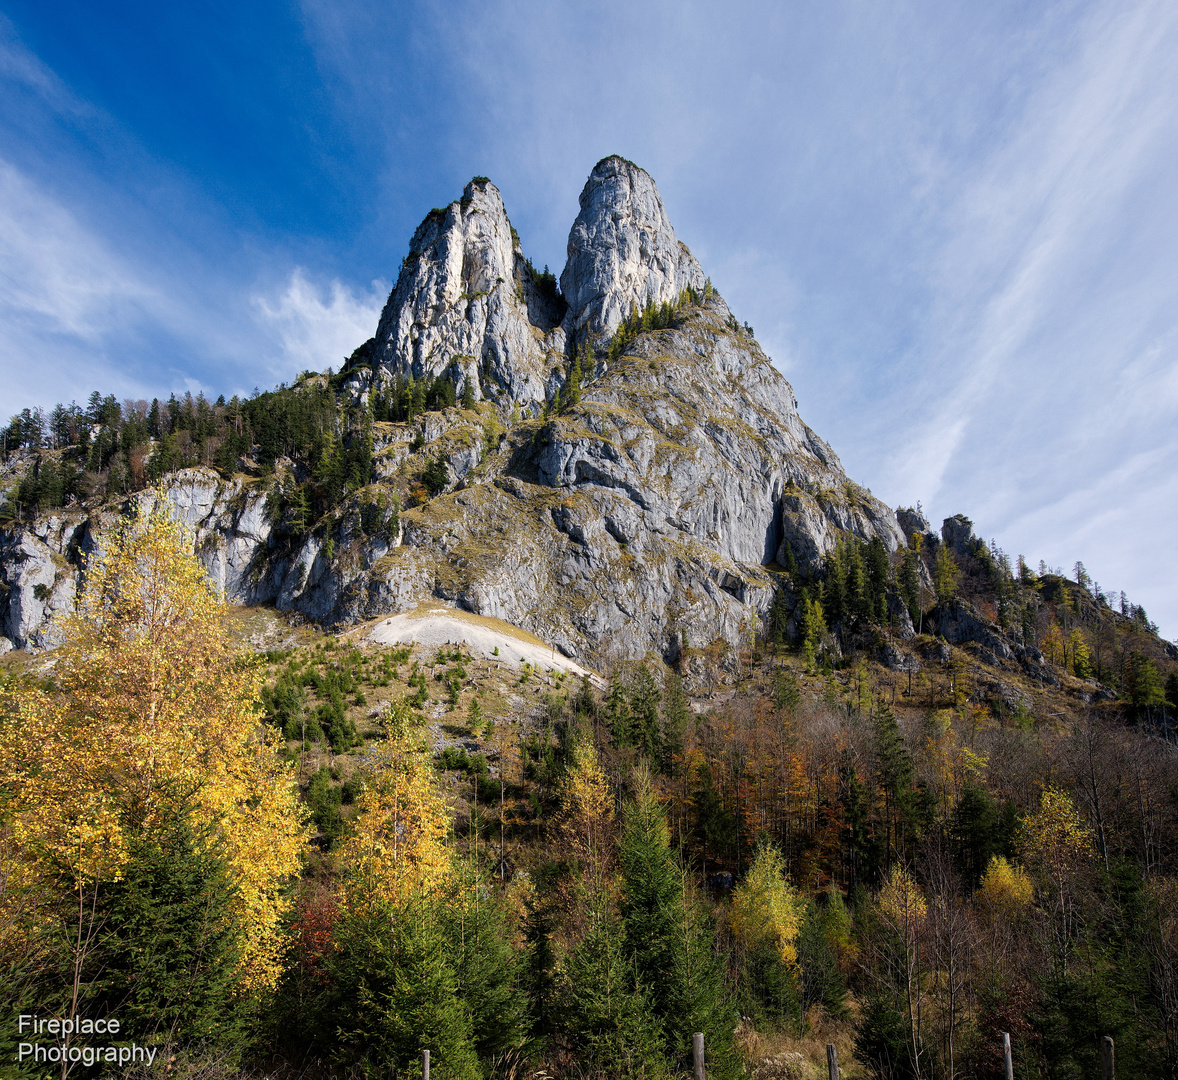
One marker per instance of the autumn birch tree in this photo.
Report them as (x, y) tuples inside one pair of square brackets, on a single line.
[(154, 712)]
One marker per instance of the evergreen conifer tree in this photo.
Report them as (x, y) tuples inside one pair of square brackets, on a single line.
[(1142, 683), (486, 967), (436, 475), (676, 719), (652, 904), (607, 1015), (644, 697), (165, 962), (779, 614), (894, 764), (582, 361), (974, 833), (878, 572), (786, 694), (617, 712), (668, 942), (393, 990), (821, 980)]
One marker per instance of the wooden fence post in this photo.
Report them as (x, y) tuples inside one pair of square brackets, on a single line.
[(1108, 1058), (832, 1062), (697, 1052), (1007, 1062), (425, 1065)]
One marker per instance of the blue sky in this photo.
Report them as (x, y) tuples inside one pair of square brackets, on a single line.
[(954, 226)]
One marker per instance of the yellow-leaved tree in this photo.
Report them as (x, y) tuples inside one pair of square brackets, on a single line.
[(1057, 848), (1005, 890), (154, 712), (1056, 840), (586, 812), (397, 848), (766, 909)]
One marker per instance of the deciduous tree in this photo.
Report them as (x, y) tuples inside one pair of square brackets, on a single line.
[(154, 709)]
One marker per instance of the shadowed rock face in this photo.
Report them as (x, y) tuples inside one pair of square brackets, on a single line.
[(647, 513), (957, 534), (622, 250)]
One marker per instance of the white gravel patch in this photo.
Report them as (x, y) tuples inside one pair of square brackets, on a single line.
[(436, 627)]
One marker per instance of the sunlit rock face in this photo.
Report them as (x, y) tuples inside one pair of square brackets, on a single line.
[(622, 251), (466, 306)]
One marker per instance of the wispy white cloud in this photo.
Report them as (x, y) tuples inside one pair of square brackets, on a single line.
[(63, 292), (318, 326), (54, 270), (77, 313), (1046, 399), (1029, 236), (954, 225), (131, 282)]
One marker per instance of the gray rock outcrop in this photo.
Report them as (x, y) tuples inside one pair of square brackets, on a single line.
[(466, 306), (647, 513), (957, 533), (42, 567), (622, 251), (38, 584), (912, 523), (959, 622)]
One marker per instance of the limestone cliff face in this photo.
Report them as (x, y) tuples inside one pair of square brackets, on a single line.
[(622, 250), (38, 582), (697, 430), (656, 508), (465, 305), (648, 513)]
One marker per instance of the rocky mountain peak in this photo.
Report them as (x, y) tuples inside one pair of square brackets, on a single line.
[(469, 306), (465, 306), (653, 499), (622, 250)]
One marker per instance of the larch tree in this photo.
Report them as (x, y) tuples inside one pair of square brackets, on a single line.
[(766, 908), (945, 575), (397, 850), (585, 821), (765, 917)]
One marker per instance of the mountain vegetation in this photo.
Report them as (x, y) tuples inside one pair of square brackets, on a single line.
[(914, 869), (73, 455)]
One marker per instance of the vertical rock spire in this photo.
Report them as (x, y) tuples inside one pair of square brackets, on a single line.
[(622, 250), (465, 306)]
